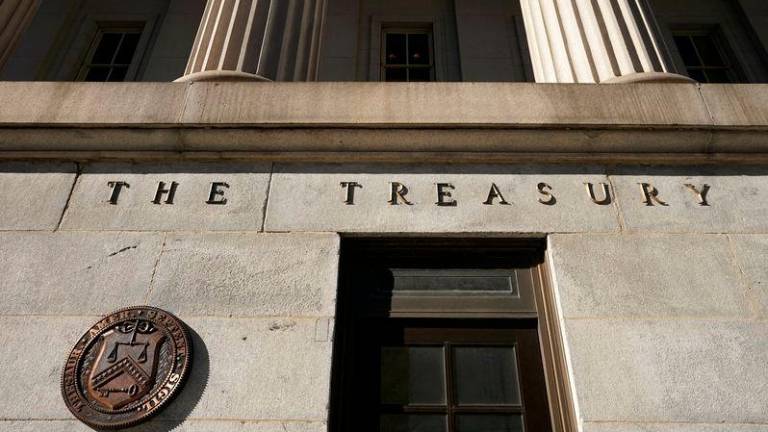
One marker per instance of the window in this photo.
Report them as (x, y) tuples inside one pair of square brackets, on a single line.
[(407, 55), (444, 336), (111, 53), (705, 56)]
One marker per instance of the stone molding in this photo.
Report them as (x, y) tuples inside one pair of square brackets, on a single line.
[(464, 122)]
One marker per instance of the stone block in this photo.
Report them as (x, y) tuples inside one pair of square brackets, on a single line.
[(33, 195), (450, 104), (311, 198), (647, 275), (135, 209), (752, 255), (257, 369), (671, 427), (673, 371), (736, 199), (248, 274), (76, 103), (158, 425), (75, 273), (736, 105), (33, 355), (269, 373)]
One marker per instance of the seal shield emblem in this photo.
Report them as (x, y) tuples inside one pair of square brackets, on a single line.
[(126, 367)]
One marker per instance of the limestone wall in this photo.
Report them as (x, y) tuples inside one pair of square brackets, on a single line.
[(661, 288)]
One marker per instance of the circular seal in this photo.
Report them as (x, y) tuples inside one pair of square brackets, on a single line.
[(126, 367)]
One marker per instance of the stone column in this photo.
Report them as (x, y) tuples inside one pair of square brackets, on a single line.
[(259, 40), (15, 15), (596, 41)]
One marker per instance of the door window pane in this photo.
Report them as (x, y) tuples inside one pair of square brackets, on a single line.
[(489, 423), (412, 423), (486, 376), (412, 375)]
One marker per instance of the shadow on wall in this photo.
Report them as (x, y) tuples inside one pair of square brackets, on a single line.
[(185, 402)]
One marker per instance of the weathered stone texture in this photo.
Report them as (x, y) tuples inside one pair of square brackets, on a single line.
[(648, 275), (678, 371), (90, 208), (260, 369), (248, 274), (33, 196), (737, 199), (752, 258), (33, 355), (672, 427), (250, 369), (159, 425), (75, 273), (311, 198)]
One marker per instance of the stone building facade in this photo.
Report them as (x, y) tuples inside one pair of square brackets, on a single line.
[(593, 173)]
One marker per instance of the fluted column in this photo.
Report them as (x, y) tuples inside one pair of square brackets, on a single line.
[(267, 40), (15, 15), (596, 41)]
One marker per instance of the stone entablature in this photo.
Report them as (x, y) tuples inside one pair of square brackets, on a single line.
[(382, 198), (636, 123)]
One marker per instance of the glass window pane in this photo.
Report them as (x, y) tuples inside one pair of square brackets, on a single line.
[(418, 49), (412, 375), (395, 74), (97, 74), (486, 375), (419, 74), (697, 75), (489, 423), (118, 74), (687, 51), (708, 51), (718, 76), (127, 49), (395, 48), (105, 51), (412, 423)]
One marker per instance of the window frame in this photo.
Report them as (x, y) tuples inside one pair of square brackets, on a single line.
[(74, 42), (520, 334), (354, 322), (407, 31), (135, 27), (379, 23), (731, 66)]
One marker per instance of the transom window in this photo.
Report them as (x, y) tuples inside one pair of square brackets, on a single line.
[(705, 56), (407, 55), (111, 54)]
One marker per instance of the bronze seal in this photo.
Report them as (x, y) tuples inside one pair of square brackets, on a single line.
[(126, 367)]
